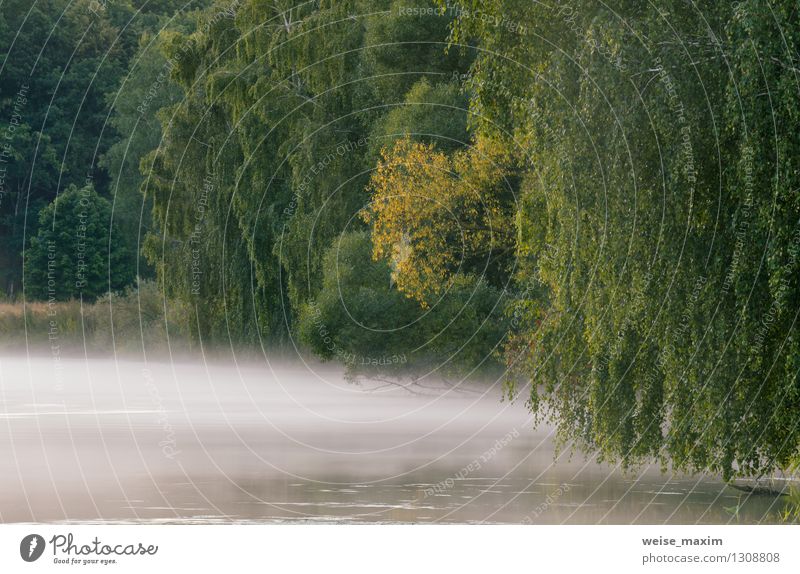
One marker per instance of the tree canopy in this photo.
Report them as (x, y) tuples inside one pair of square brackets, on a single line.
[(74, 254), (660, 217)]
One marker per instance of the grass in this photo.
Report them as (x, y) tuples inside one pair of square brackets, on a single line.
[(138, 319)]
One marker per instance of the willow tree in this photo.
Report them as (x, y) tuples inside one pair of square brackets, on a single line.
[(657, 272), (265, 160)]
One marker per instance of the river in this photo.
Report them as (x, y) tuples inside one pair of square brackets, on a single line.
[(99, 440)]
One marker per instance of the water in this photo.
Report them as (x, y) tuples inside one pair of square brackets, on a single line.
[(124, 441)]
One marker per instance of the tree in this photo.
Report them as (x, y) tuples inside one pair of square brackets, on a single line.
[(72, 255), (431, 113), (435, 215), (405, 42), (146, 88), (62, 61), (279, 104), (361, 320), (657, 258)]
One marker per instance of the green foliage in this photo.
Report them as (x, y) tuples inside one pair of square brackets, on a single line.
[(405, 42), (658, 229), (280, 104), (62, 60), (431, 113), (363, 321), (72, 255), (145, 89)]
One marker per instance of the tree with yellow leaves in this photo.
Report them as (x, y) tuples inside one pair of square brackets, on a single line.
[(434, 216)]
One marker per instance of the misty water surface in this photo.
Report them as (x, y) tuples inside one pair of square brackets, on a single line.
[(99, 440)]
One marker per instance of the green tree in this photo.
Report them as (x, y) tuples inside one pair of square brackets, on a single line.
[(72, 255), (146, 88), (430, 113), (280, 102), (61, 62), (405, 41), (657, 255), (360, 319)]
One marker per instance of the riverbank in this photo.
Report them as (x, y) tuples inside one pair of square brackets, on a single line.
[(138, 320)]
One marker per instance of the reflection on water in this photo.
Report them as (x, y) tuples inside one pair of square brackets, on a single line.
[(100, 440)]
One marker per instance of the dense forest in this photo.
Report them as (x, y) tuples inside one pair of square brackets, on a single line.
[(601, 207)]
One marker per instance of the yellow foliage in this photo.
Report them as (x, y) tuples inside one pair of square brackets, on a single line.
[(431, 213)]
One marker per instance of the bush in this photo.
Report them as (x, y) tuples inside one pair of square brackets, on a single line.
[(361, 320)]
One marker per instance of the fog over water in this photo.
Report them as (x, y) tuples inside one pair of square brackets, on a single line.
[(120, 441)]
